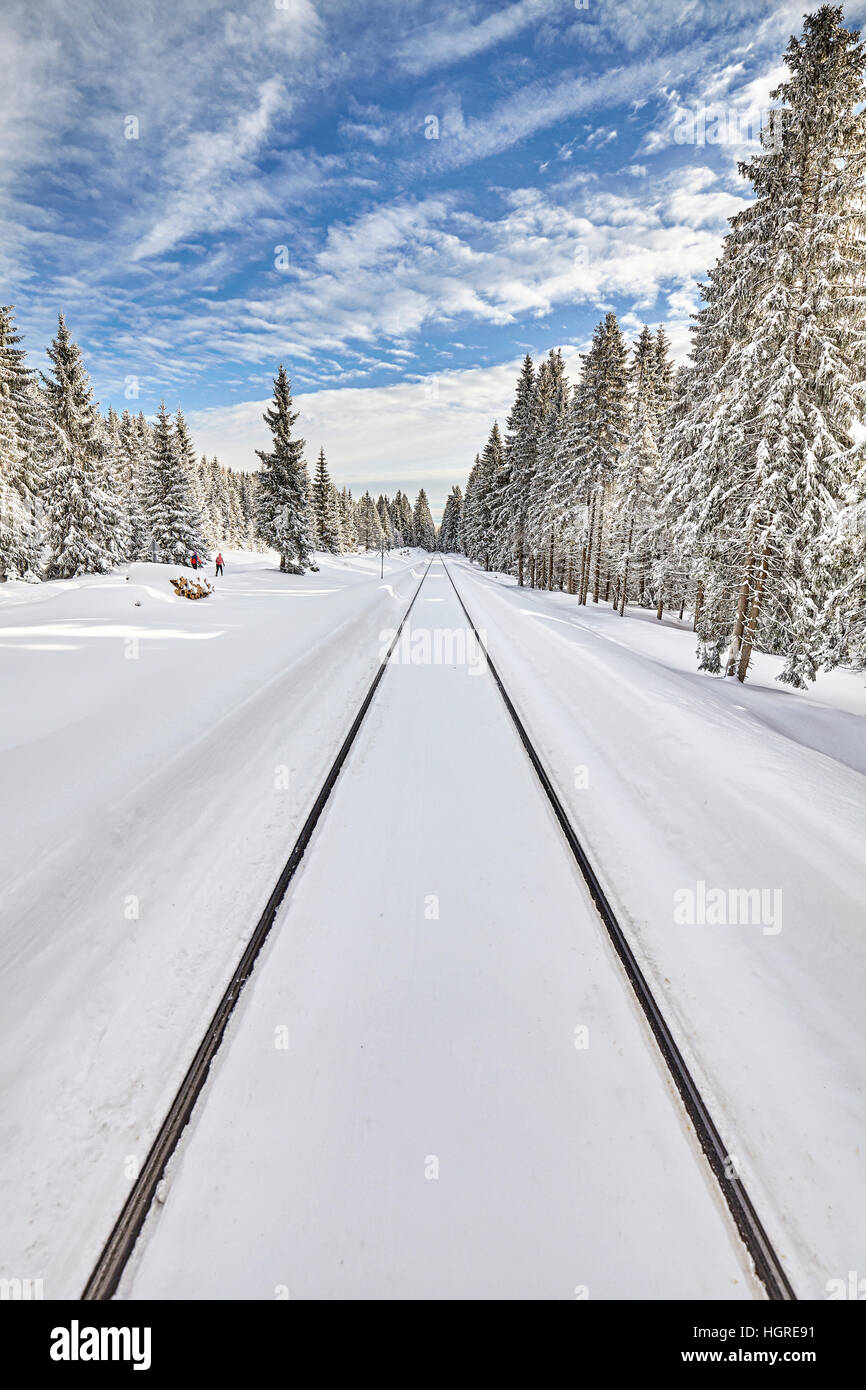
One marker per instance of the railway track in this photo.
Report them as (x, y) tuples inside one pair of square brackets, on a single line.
[(108, 1270), (767, 1264)]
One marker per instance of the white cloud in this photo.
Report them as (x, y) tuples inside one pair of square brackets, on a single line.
[(423, 433), (415, 434), (450, 39)]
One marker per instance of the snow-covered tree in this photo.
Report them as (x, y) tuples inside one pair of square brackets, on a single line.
[(134, 466), (14, 539), (521, 444), (284, 520), (422, 523), (326, 520), (172, 511), (22, 463), (544, 518), (348, 530), (779, 366), (452, 519), (384, 510), (637, 476), (83, 510), (367, 523)]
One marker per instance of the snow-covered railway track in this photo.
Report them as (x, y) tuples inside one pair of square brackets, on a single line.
[(767, 1264), (109, 1268)]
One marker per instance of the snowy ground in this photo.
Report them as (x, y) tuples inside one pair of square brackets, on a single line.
[(690, 779), (156, 762), (156, 756), (430, 1130)]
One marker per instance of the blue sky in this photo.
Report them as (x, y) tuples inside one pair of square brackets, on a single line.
[(453, 184)]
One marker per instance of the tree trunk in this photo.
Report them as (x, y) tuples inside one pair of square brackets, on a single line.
[(661, 604), (739, 625), (550, 564), (699, 603), (596, 583), (752, 623), (682, 607), (571, 576), (625, 571), (587, 555)]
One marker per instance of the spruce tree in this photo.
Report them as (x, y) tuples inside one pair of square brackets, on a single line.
[(637, 476), (14, 547), (83, 511), (778, 375), (452, 518), (544, 519), (425, 532), (348, 529), (326, 522), (284, 520), (521, 443), (171, 506), (368, 525)]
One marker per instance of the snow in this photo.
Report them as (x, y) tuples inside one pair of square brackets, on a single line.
[(697, 779), (431, 964), (157, 762)]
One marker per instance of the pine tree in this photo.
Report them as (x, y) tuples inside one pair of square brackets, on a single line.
[(544, 520), (348, 530), (196, 486), (115, 482), (425, 531), (521, 443), (134, 464), (452, 520), (171, 506), (29, 408), (326, 522), (83, 511), (637, 476), (779, 353), (384, 510), (407, 521), (368, 525), (603, 406), (284, 520), (14, 547)]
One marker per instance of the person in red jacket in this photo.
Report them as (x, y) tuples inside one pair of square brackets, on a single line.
[(219, 563)]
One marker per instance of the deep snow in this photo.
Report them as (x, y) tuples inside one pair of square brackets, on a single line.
[(156, 763), (674, 778), (425, 1126)]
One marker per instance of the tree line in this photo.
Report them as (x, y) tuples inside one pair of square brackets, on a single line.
[(81, 492), (733, 487)]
